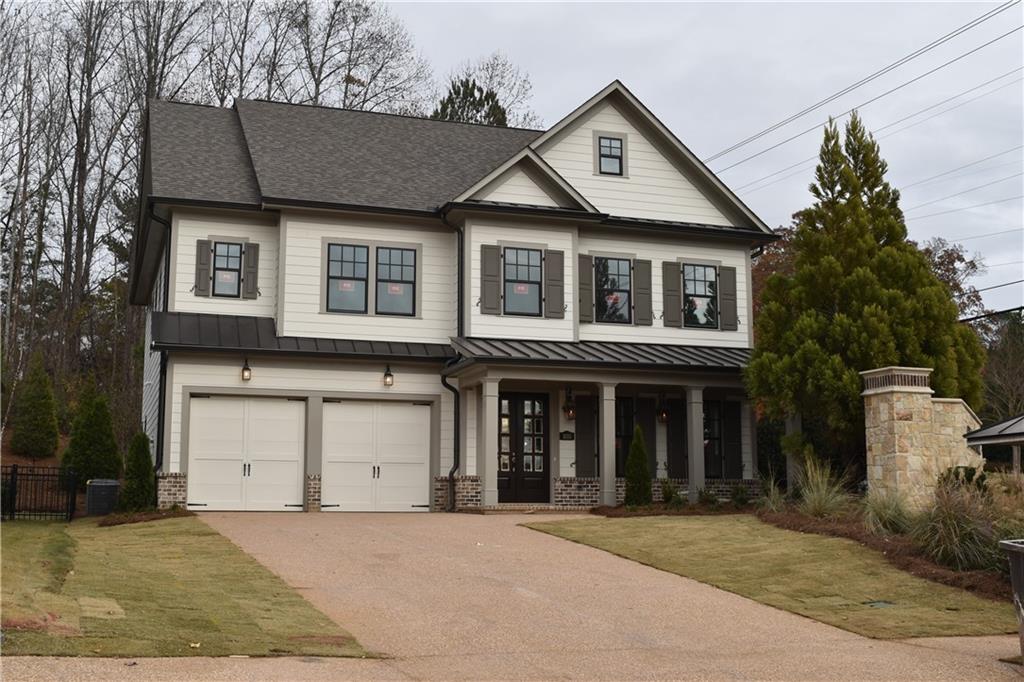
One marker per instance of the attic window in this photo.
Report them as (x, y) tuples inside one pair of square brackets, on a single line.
[(610, 155)]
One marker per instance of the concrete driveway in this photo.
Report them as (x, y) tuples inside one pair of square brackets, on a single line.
[(453, 596)]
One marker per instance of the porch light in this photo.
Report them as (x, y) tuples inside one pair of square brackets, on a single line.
[(246, 371), (663, 413), (389, 378), (569, 408)]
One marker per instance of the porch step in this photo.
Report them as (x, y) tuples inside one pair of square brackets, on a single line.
[(524, 508)]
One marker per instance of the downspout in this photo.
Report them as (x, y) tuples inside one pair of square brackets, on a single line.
[(161, 396), (456, 396)]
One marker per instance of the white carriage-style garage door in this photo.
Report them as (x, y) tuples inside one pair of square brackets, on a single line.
[(246, 453), (376, 456)]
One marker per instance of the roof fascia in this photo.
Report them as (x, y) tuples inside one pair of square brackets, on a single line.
[(196, 348)]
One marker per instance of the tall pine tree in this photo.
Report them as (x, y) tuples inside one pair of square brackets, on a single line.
[(861, 296), (34, 421), (467, 102)]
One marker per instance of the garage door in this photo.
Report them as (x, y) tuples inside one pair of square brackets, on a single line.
[(376, 457), (245, 453)]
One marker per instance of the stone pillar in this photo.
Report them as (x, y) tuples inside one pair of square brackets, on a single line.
[(694, 441), (487, 455), (606, 444)]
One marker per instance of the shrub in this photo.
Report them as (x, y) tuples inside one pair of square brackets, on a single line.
[(957, 531), (139, 484), (677, 501), (774, 500), (740, 497), (638, 478), (92, 452), (885, 513), (667, 491), (964, 477), (822, 493), (34, 422), (707, 498)]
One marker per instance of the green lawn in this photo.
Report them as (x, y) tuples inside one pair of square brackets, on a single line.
[(165, 588), (832, 580)]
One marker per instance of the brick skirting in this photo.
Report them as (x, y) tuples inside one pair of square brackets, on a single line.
[(312, 493), (577, 492), (171, 490), (719, 487), (468, 493)]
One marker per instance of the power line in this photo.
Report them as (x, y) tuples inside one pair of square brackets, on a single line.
[(1009, 262), (979, 236), (873, 99), (965, 208), (867, 79), (966, 191), (993, 314), (994, 286), (966, 165), (946, 111)]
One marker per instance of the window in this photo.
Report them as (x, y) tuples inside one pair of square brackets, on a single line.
[(612, 281), (522, 281), (700, 296), (227, 269), (609, 155), (396, 281), (346, 278)]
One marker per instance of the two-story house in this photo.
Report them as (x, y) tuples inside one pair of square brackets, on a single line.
[(361, 311)]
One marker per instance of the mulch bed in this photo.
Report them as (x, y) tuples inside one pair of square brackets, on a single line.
[(662, 509), (897, 550), (144, 516)]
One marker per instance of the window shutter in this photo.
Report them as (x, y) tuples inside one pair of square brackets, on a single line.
[(554, 285), (643, 312), (727, 299), (672, 295), (204, 267), (490, 279), (585, 276), (250, 276)]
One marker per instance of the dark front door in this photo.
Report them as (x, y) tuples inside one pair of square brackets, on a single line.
[(523, 451)]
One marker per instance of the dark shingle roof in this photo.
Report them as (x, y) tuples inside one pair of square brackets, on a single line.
[(1007, 431), (602, 353), (244, 334), (198, 153)]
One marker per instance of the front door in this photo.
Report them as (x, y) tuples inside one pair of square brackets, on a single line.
[(523, 448)]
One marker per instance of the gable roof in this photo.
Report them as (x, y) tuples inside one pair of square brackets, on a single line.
[(529, 159), (1007, 431)]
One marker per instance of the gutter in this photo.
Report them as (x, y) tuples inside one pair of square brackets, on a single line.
[(456, 450)]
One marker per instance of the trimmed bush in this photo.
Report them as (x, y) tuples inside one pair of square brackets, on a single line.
[(34, 423), (638, 477), (92, 452), (822, 493), (667, 491), (739, 496), (139, 492), (885, 513)]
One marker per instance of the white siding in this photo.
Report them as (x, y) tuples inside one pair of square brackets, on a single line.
[(190, 227), (469, 407), (654, 187), (151, 366), (516, 187), (303, 293), (518, 326), (657, 251), (300, 375)]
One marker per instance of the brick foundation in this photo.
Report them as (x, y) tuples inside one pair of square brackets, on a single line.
[(313, 493), (468, 493), (719, 487), (171, 490), (577, 492)]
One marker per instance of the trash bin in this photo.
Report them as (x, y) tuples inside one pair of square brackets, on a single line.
[(1015, 552), (101, 496)]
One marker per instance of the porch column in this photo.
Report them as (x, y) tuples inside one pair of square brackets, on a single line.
[(487, 457), (748, 422), (606, 444), (794, 425), (694, 441), (1016, 459)]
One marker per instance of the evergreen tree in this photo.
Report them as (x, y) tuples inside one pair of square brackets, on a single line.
[(638, 477), (34, 422), (467, 102), (92, 452), (860, 297), (139, 490)]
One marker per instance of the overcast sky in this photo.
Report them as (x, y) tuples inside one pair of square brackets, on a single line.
[(718, 73)]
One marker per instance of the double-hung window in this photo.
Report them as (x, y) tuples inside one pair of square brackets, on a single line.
[(700, 296), (396, 281), (609, 155), (522, 281), (227, 269), (612, 283), (346, 278)]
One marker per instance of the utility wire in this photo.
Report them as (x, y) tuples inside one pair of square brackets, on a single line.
[(994, 286), (994, 314), (966, 191), (980, 236), (1009, 262), (966, 165), (867, 79), (946, 111), (873, 99), (965, 208)]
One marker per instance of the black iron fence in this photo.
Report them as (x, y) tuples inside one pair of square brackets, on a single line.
[(44, 493)]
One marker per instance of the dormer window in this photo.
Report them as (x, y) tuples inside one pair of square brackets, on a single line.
[(610, 155)]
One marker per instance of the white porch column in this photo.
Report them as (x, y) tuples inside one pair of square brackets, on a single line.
[(487, 455), (694, 441), (606, 444), (748, 439)]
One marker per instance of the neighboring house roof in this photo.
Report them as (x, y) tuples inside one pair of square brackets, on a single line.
[(256, 335), (601, 353), (1007, 431)]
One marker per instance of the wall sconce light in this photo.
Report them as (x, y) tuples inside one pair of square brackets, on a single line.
[(246, 371), (389, 378), (663, 413), (569, 408)]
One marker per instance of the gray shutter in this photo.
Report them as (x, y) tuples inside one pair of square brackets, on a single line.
[(250, 273), (585, 276), (672, 295), (204, 267), (554, 285), (490, 279), (643, 306), (727, 299)]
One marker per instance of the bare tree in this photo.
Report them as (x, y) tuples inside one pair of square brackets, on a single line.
[(510, 83)]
